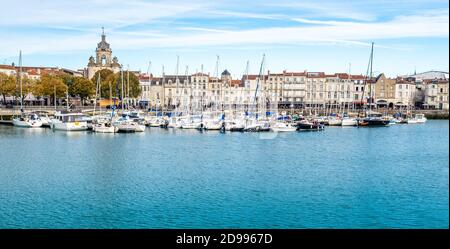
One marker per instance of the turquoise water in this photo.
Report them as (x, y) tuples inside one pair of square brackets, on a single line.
[(388, 177)]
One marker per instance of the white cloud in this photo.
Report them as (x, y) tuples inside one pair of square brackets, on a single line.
[(351, 33), (90, 13), (346, 32)]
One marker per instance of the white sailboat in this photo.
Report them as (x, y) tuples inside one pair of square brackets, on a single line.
[(102, 124), (26, 121)]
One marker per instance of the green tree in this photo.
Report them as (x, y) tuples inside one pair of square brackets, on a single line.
[(107, 82), (49, 85), (131, 84), (68, 81), (7, 86), (82, 87)]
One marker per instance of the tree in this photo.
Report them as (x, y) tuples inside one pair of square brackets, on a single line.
[(49, 85), (82, 87), (68, 81), (132, 86), (7, 86), (107, 88)]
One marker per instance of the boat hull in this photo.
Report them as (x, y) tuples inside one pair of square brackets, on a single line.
[(105, 129), (27, 123), (349, 122), (72, 126)]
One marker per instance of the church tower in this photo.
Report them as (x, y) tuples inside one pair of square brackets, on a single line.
[(103, 51), (103, 58)]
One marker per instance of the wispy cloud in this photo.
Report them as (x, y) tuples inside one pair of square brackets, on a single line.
[(355, 33), (90, 13), (334, 9), (48, 27)]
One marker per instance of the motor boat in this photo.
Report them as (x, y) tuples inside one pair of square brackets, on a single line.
[(348, 121), (234, 125), (307, 125), (418, 119), (69, 121), (373, 119), (283, 127)]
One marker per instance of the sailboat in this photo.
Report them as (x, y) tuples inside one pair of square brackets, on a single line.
[(346, 119), (372, 118), (254, 123), (27, 121), (102, 124), (282, 124)]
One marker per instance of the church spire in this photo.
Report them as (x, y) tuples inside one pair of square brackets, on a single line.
[(103, 34)]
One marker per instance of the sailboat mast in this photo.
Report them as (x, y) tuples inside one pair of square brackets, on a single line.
[(96, 92), (20, 81), (261, 68), (67, 97), (371, 75), (150, 83), (128, 86), (217, 80), (121, 81), (176, 82)]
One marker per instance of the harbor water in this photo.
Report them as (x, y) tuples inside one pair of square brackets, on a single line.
[(387, 177)]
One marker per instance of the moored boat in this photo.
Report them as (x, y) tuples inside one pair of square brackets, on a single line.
[(27, 121), (283, 127), (306, 125), (69, 121), (418, 119)]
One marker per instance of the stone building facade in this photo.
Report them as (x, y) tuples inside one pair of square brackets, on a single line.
[(103, 59)]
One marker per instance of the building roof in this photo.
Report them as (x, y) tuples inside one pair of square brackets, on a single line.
[(315, 75), (200, 74), (225, 73), (103, 45), (236, 83), (429, 75), (7, 67)]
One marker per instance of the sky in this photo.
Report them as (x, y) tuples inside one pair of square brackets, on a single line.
[(329, 36)]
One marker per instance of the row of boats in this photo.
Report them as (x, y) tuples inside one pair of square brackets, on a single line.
[(133, 121)]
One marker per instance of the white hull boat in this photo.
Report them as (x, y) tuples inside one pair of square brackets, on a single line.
[(140, 127), (349, 122), (418, 119), (69, 121), (26, 123), (334, 122), (70, 126), (104, 128), (194, 125), (283, 127), (212, 125)]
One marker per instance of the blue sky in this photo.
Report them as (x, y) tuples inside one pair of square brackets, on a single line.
[(330, 36)]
